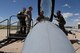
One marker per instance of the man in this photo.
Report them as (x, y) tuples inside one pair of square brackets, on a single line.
[(61, 21), (29, 17), (21, 16), (41, 16)]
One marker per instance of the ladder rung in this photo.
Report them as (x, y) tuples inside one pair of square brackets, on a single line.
[(17, 36)]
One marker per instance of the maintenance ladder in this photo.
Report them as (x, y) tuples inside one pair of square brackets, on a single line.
[(11, 37)]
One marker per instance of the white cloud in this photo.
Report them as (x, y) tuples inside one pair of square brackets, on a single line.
[(79, 17), (76, 14), (1, 18), (14, 1), (77, 20), (67, 15), (66, 5)]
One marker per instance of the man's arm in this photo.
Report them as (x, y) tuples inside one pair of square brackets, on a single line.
[(54, 15)]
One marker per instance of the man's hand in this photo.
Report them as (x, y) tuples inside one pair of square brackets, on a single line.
[(54, 15)]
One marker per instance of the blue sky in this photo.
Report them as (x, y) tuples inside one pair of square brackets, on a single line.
[(70, 9), (12, 7)]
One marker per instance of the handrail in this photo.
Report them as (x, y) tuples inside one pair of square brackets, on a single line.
[(10, 22), (13, 22), (6, 26), (10, 19), (4, 20), (16, 22)]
